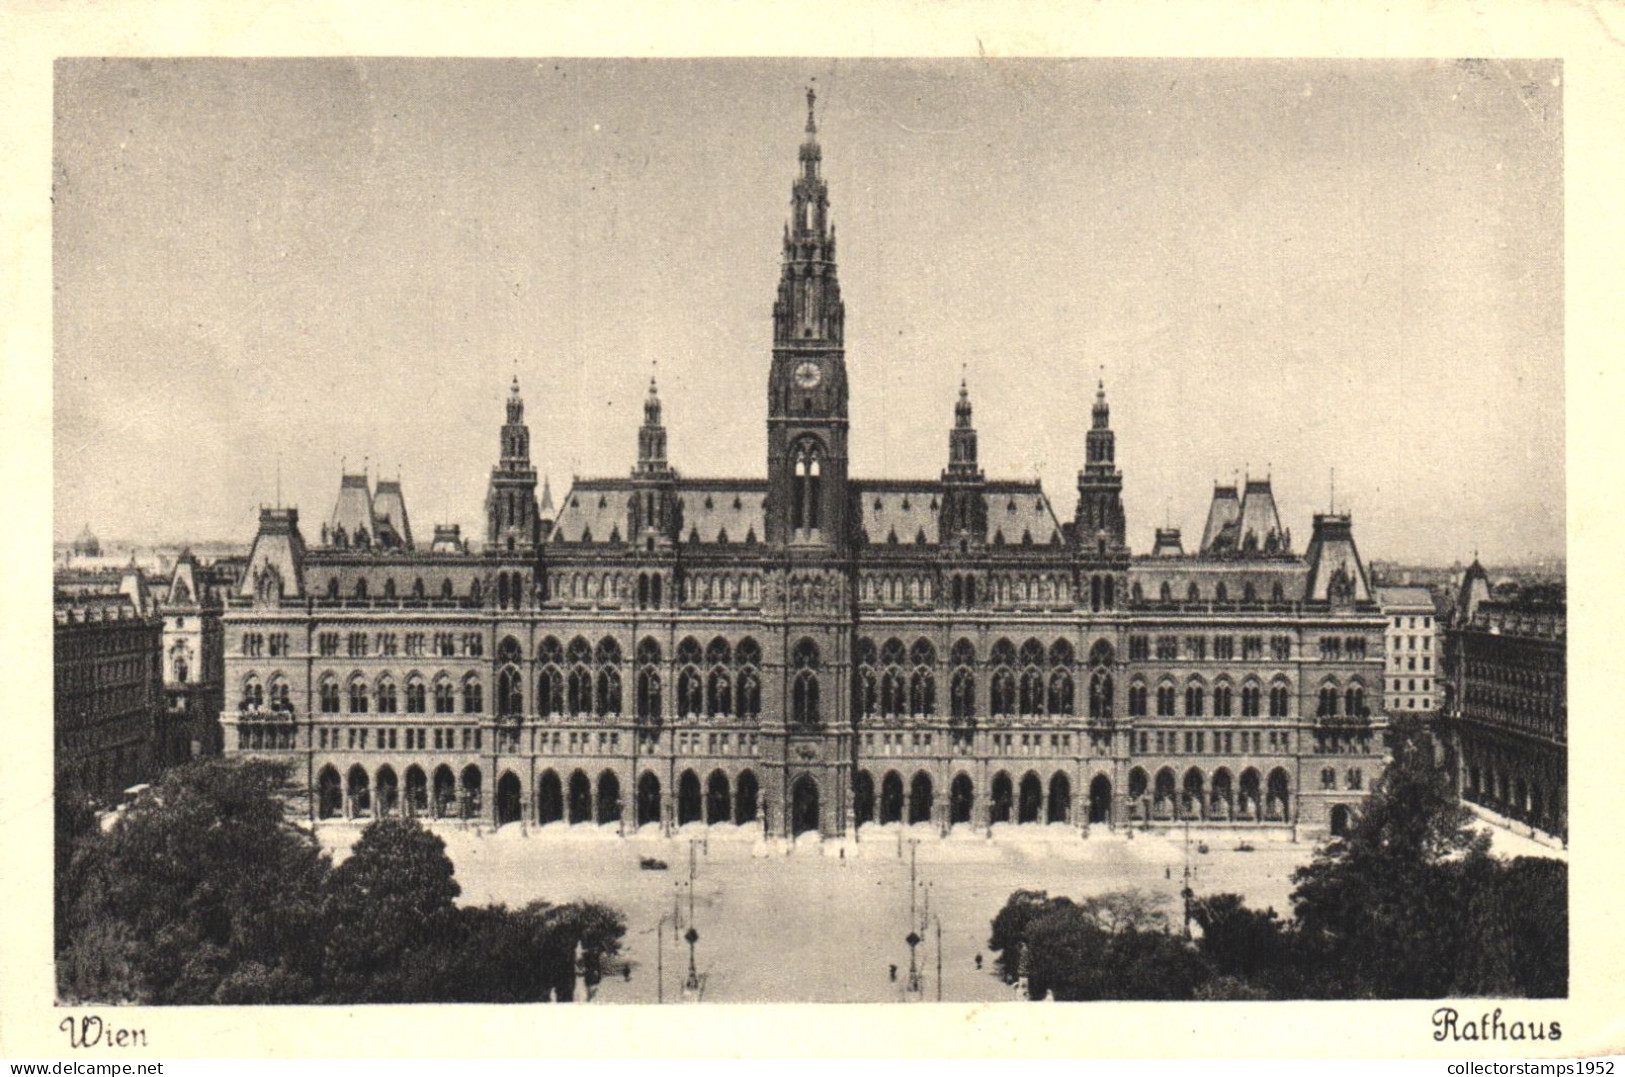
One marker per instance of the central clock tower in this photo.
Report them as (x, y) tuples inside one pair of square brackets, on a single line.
[(807, 394)]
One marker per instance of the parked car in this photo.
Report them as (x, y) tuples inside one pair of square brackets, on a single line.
[(650, 863)]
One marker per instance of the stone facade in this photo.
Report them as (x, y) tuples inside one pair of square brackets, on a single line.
[(1506, 703), (1413, 679), (812, 651), (108, 694)]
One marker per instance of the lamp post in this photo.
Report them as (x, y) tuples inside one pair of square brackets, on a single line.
[(1187, 893), (913, 941), (660, 960), (693, 868), (937, 919), (693, 983)]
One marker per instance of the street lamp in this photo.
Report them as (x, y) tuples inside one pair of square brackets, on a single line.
[(913, 941), (693, 983), (938, 921), (660, 959)]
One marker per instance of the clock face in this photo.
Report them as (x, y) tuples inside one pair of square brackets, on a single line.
[(808, 374)]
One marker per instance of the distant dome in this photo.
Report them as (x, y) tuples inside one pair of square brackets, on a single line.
[(87, 545)]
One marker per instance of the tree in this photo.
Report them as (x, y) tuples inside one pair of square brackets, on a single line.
[(1517, 937), (1010, 928), (201, 892), (1240, 942), (1380, 913), (393, 897)]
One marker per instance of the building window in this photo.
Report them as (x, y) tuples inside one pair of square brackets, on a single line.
[(1278, 701), (1165, 700), (1224, 648)]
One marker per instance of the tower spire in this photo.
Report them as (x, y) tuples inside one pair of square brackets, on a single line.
[(652, 434), (510, 502)]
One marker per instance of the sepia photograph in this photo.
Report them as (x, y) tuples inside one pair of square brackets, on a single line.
[(510, 547)]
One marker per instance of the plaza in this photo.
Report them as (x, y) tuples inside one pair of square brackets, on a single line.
[(801, 923)]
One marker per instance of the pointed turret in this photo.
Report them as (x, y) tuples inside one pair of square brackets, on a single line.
[(510, 504), (964, 506), (1098, 524), (1475, 588), (651, 511), (809, 305), (652, 434)]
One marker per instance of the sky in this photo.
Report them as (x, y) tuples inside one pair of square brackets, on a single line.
[(1345, 275)]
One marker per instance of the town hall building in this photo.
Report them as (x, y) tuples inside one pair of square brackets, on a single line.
[(809, 650)]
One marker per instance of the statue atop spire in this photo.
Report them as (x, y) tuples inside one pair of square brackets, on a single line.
[(812, 125)]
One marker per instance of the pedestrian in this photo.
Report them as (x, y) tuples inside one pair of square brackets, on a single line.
[(1167, 872), (626, 973), (894, 974), (978, 962)]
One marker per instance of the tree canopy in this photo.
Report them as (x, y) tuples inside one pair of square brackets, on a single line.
[(205, 891)]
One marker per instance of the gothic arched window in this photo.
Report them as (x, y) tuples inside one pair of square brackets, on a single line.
[(804, 688), (806, 462)]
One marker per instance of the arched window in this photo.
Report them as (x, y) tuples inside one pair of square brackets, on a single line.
[(1167, 594), (1166, 695), (1193, 593), (893, 696), (1221, 593), (719, 678), (868, 678), (1354, 701), (1137, 699), (416, 696), (690, 686), (804, 687), (1279, 697), (578, 689), (1221, 700), (445, 696), (358, 696), (648, 682), (1195, 696), (1032, 678), (1004, 678), (1250, 694), (963, 687), (1327, 707), (550, 697), (608, 697), (748, 682), (922, 687), (807, 463), (330, 695), (1061, 692)]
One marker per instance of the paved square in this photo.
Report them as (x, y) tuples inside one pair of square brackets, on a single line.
[(806, 924)]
